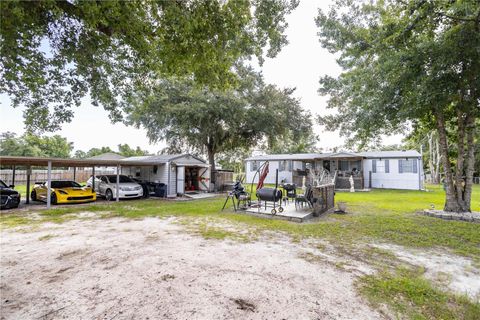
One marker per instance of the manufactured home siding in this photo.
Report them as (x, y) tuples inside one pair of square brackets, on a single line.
[(389, 176), (285, 176)]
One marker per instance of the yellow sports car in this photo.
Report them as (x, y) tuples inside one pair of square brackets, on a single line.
[(63, 192)]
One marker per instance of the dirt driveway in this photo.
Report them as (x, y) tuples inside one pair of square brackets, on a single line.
[(154, 269)]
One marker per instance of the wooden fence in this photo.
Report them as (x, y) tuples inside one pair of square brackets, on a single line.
[(323, 198), (41, 175)]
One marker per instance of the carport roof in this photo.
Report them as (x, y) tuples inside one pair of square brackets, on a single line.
[(69, 162)]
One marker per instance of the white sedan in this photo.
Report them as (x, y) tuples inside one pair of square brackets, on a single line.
[(106, 186)]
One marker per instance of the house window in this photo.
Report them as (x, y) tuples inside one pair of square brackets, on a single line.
[(285, 165), (344, 165), (253, 166), (380, 166), (407, 166), (356, 165)]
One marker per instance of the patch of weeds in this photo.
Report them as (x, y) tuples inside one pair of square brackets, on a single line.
[(408, 293), (217, 233), (314, 258), (378, 257), (108, 215), (244, 305), (152, 237), (47, 237), (167, 277), (220, 229), (12, 221)]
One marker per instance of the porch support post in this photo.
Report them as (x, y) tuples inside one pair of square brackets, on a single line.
[(29, 171), (74, 173), (49, 178), (117, 187)]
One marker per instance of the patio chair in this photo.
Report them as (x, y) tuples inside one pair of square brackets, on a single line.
[(300, 199), (290, 192)]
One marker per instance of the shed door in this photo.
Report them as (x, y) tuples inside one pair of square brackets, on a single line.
[(181, 180)]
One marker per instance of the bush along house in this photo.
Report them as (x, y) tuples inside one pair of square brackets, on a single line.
[(375, 169)]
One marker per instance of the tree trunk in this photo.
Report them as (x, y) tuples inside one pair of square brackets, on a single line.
[(451, 203), (470, 163), (434, 157), (438, 159), (431, 158), (211, 161), (459, 188)]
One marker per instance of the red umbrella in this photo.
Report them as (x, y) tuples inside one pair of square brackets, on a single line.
[(262, 177)]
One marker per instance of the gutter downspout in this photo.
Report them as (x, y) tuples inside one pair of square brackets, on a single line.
[(420, 169), (168, 178)]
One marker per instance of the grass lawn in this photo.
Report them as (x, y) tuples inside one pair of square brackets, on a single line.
[(385, 216), (381, 215)]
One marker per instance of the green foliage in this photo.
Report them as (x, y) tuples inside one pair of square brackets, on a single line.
[(126, 151), (306, 142), (123, 149), (407, 64), (211, 121), (403, 63), (409, 294), (53, 53), (34, 146)]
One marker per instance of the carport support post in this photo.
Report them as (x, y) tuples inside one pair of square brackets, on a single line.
[(93, 179), (29, 171), (49, 177), (118, 183), (13, 175)]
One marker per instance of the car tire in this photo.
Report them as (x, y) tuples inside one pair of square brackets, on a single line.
[(53, 198), (33, 195), (108, 195)]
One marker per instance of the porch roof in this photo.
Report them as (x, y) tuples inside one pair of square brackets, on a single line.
[(337, 155)]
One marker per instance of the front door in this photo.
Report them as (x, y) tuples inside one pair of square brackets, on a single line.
[(180, 180)]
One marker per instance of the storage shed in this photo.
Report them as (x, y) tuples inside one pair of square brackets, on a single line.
[(182, 173)]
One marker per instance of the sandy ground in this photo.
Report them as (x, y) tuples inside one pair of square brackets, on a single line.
[(457, 274), (154, 269)]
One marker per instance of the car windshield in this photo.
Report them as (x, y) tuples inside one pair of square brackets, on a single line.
[(2, 184), (122, 179), (65, 184)]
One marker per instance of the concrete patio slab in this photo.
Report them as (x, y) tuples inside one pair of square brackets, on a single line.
[(290, 213)]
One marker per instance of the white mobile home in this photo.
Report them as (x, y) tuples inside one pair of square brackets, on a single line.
[(379, 169), (180, 172)]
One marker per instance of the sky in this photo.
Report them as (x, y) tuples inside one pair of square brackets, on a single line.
[(300, 64)]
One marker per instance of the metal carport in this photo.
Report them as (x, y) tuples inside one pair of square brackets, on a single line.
[(66, 162)]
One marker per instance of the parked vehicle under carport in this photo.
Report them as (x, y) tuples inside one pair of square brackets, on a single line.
[(9, 198), (106, 186)]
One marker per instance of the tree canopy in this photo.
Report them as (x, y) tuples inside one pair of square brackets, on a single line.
[(29, 145), (54, 53), (407, 64), (211, 121), (123, 149)]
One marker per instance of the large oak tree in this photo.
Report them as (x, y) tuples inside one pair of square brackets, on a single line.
[(212, 121), (53, 53), (408, 63)]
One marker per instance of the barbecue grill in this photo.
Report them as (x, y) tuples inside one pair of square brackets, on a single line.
[(271, 197), (238, 193)]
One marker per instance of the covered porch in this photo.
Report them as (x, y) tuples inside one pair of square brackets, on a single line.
[(343, 166)]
